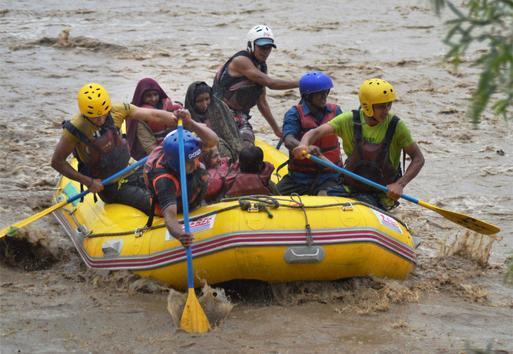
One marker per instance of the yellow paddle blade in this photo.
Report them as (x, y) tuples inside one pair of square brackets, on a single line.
[(464, 220), (11, 230), (193, 318)]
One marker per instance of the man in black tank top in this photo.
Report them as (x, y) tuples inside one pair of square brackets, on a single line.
[(242, 81)]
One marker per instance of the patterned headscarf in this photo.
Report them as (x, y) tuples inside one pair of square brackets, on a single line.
[(218, 117)]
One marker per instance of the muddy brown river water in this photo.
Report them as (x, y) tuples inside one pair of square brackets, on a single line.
[(455, 301)]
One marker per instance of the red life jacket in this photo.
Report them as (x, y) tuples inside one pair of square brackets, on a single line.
[(160, 130), (106, 154), (371, 160), (329, 144), (250, 183), (156, 168), (217, 178)]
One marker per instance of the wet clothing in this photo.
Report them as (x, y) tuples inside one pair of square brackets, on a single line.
[(238, 92), (143, 136), (306, 177), (241, 183), (102, 151), (164, 183), (217, 117)]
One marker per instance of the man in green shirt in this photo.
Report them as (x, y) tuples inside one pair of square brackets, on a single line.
[(94, 137), (372, 139)]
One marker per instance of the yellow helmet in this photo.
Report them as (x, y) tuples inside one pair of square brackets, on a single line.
[(93, 100), (375, 91)]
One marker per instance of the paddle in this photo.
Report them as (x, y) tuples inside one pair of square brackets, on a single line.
[(11, 230), (193, 318), (461, 219)]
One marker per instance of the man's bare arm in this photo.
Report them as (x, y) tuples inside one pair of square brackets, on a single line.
[(242, 66)]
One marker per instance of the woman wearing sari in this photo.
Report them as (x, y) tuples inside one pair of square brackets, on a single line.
[(205, 108)]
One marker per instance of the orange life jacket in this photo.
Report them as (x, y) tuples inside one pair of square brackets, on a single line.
[(156, 168)]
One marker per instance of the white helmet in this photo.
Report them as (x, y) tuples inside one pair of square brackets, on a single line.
[(260, 35)]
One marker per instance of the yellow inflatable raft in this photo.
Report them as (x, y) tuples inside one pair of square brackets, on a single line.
[(272, 239)]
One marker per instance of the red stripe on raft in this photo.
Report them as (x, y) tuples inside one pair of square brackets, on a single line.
[(230, 241), (220, 243)]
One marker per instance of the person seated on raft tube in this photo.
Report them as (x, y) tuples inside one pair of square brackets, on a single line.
[(373, 138), (143, 137), (305, 176), (254, 176), (249, 176), (162, 174), (205, 108), (94, 138), (242, 81)]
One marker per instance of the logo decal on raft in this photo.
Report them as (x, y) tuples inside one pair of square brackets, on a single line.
[(197, 226), (388, 222)]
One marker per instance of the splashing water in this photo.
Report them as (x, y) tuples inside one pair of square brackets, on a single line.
[(214, 302)]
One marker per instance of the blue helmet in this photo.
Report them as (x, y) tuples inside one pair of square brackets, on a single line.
[(314, 81), (192, 148)]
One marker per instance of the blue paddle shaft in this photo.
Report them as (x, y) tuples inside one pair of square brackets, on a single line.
[(185, 202), (110, 179), (359, 178)]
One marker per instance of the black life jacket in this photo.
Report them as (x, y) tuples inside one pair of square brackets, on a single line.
[(106, 154), (329, 144), (239, 93), (371, 160)]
